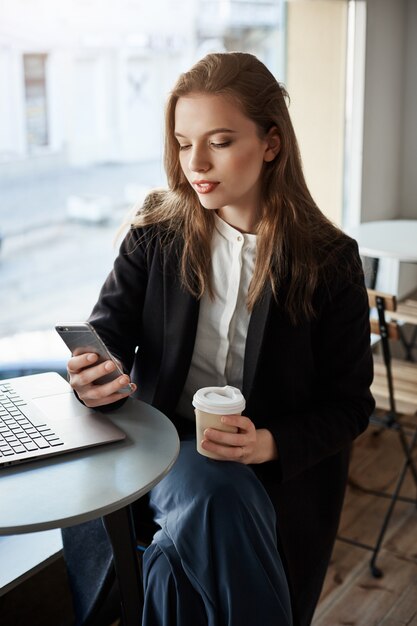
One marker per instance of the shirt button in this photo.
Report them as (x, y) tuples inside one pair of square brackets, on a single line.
[(240, 238)]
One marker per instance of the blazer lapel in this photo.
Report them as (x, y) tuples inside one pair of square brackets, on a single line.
[(254, 340), (180, 328)]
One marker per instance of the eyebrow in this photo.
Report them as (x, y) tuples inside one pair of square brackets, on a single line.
[(211, 132)]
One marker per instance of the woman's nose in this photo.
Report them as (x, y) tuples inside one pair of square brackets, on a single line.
[(198, 161)]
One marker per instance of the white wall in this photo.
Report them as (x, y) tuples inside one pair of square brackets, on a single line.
[(316, 79), (383, 110), (6, 127), (408, 174), (389, 176), (12, 116)]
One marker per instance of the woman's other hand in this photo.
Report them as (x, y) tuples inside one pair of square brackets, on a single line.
[(249, 445), (82, 376)]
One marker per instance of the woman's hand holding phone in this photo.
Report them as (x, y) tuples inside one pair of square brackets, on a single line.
[(83, 374)]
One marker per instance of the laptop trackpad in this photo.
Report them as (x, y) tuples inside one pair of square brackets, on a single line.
[(76, 423)]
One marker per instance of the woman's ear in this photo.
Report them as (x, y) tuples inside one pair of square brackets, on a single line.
[(273, 144)]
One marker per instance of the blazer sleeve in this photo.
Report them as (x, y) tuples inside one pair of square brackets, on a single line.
[(341, 401)]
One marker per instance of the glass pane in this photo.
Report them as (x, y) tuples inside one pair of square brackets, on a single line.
[(84, 92)]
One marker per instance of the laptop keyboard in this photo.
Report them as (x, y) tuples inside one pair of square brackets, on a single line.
[(18, 434)]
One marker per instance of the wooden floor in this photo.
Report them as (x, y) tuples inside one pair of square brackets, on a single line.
[(351, 595)]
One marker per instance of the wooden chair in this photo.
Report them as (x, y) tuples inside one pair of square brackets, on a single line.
[(406, 313), (395, 380), (395, 392)]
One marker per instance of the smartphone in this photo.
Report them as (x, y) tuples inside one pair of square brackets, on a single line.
[(81, 338)]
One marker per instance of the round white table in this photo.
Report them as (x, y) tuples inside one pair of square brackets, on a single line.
[(389, 239), (396, 239), (99, 482)]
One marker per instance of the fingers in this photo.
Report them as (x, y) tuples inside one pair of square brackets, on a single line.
[(240, 421), (101, 395), (232, 446), (83, 374), (225, 453), (77, 363), (225, 439)]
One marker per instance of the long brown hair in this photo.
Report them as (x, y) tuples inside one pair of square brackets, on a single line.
[(295, 240)]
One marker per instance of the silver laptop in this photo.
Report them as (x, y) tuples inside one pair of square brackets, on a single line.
[(40, 417)]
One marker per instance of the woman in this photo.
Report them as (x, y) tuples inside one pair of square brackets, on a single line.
[(234, 276)]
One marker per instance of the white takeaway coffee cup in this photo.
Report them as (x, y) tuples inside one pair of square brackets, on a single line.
[(210, 404)]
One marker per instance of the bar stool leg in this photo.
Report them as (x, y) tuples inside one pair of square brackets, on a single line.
[(408, 464)]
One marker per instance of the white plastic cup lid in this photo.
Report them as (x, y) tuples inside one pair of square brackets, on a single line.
[(219, 400)]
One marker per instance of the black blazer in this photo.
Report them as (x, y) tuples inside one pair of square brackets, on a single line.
[(308, 384)]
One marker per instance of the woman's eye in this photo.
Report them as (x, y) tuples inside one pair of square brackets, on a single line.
[(223, 144), (220, 144)]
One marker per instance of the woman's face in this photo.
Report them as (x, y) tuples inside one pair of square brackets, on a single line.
[(222, 156)]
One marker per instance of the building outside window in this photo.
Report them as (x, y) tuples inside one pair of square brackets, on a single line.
[(35, 100)]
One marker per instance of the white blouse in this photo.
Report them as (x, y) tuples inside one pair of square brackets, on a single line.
[(223, 322)]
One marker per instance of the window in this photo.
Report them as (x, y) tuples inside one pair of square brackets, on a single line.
[(87, 120), (35, 100)]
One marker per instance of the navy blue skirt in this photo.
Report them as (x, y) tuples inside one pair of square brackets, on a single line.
[(214, 561)]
